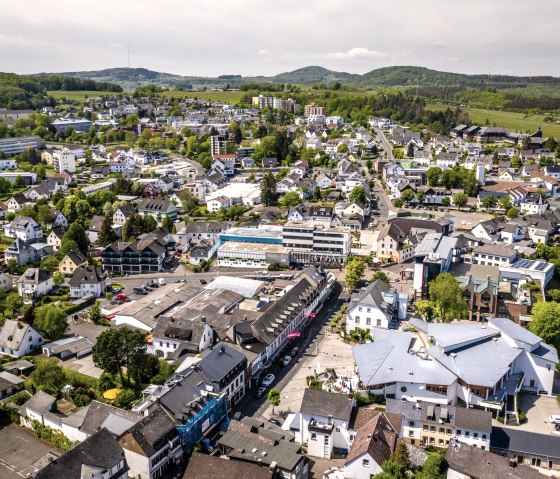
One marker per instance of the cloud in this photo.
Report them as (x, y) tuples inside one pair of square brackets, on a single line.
[(357, 52), (263, 52)]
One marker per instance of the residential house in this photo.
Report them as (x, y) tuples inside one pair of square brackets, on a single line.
[(18, 339), (534, 204), (204, 249), (6, 283), (214, 205), (157, 208), (34, 283), (269, 162), (17, 202), (395, 244), (145, 255), (122, 214), (87, 281), (175, 334), (24, 228), (9, 384), (494, 255), (197, 230), (72, 261), (202, 466), (376, 306), (55, 238), (25, 253)]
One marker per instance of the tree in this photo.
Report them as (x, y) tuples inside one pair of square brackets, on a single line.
[(545, 322), (396, 466), (446, 294), (354, 272), (274, 398), (107, 234), (398, 202), (433, 176), (167, 223), (115, 350), (290, 199), (425, 310), (410, 150), (266, 148), (420, 196), (489, 202), (94, 312), (49, 376), (380, 275), (188, 200), (435, 467), (76, 233), (407, 195), (445, 201), (460, 200), (512, 213), (51, 321), (12, 265), (358, 194), (505, 202), (554, 295), (58, 279), (268, 189), (125, 399)]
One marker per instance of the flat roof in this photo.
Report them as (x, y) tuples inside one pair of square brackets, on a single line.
[(244, 286), (253, 232), (240, 246)]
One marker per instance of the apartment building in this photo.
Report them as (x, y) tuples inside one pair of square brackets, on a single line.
[(64, 160), (314, 110), (14, 146)]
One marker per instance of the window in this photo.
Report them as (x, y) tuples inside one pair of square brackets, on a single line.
[(475, 434), (403, 389), (536, 461), (432, 441), (459, 432), (410, 433), (360, 309), (442, 430), (410, 423), (378, 322), (467, 433), (352, 437), (313, 436), (365, 462), (484, 436), (357, 320), (369, 310), (440, 442), (432, 429), (425, 427), (449, 432), (326, 440), (368, 321)]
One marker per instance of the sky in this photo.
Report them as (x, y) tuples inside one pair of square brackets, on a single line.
[(264, 37)]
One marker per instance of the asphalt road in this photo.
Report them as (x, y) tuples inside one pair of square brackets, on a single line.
[(384, 143), (312, 335)]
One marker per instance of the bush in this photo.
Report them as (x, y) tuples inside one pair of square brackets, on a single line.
[(56, 438), (126, 399), (106, 382)]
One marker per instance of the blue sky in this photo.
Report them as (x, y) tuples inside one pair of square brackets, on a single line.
[(260, 37)]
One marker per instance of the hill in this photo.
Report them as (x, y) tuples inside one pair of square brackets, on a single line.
[(311, 75)]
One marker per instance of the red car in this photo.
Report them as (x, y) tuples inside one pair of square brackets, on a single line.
[(122, 297)]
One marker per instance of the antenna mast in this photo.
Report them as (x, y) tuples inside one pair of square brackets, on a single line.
[(128, 54)]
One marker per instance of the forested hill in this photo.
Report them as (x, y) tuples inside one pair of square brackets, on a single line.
[(30, 91)]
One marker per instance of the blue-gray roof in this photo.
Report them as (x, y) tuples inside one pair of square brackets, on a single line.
[(514, 330)]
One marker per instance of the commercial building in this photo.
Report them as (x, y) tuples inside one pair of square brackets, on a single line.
[(275, 103), (76, 124), (14, 146), (136, 257), (252, 255)]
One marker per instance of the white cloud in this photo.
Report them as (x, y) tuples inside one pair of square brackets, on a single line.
[(263, 52), (357, 52)]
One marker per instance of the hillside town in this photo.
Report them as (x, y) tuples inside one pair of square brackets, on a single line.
[(194, 289)]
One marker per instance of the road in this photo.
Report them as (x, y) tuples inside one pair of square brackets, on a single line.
[(384, 143), (312, 335)]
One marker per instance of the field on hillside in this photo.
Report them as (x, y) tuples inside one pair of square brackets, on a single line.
[(231, 97), (507, 119), (80, 95)]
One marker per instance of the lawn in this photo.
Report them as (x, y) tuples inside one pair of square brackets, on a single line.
[(507, 119), (79, 95), (231, 97)]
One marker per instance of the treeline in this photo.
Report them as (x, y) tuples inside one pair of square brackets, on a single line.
[(55, 82)]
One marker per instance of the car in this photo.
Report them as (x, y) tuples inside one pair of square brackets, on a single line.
[(260, 392), (274, 421), (268, 380), (286, 360), (555, 419), (203, 281), (294, 351)]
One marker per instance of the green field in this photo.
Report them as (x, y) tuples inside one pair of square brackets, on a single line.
[(80, 95), (507, 119)]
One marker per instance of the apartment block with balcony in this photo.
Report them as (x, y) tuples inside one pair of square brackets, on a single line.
[(14, 146), (137, 257)]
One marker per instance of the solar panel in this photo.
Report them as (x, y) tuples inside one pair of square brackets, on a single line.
[(541, 266)]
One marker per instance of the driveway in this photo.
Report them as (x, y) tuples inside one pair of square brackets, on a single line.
[(21, 453), (83, 365), (537, 409)]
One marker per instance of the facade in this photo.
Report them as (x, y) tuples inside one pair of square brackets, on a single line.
[(14, 146), (18, 339), (71, 261), (140, 256), (159, 209), (494, 255), (24, 228), (64, 160), (76, 124), (34, 283), (87, 281)]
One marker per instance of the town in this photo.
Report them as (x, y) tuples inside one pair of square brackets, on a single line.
[(274, 286)]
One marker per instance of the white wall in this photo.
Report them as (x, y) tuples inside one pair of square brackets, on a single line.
[(356, 470), (138, 464)]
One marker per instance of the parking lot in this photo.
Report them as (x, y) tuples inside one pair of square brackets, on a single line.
[(538, 409), (83, 365), (21, 453)]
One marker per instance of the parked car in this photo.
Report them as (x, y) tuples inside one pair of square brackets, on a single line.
[(555, 419), (274, 421), (140, 290), (295, 351), (286, 360), (203, 281), (268, 380), (260, 392)]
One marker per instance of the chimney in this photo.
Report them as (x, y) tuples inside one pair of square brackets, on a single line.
[(203, 319), (222, 349)]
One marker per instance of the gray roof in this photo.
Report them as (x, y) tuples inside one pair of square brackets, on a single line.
[(514, 330), (473, 419), (524, 442), (202, 466), (220, 361), (98, 451), (480, 464), (372, 295), (75, 255), (326, 404), (40, 402), (34, 276), (12, 334), (86, 274), (98, 413), (496, 250), (71, 345)]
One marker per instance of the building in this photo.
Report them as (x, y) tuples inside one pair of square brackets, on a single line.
[(27, 178), (101, 186), (79, 125), (71, 261), (25, 253), (64, 160), (527, 270), (18, 339), (527, 448), (9, 384), (394, 244), (494, 255), (87, 281), (202, 466), (534, 204), (136, 257), (241, 254), (6, 283), (376, 306), (152, 445), (98, 457), (122, 214), (250, 441), (34, 283), (157, 208), (314, 110), (469, 462), (24, 228), (14, 146), (76, 346), (429, 424), (174, 334)]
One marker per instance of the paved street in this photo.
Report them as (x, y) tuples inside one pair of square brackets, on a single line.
[(385, 144)]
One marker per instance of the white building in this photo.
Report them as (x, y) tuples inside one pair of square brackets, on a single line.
[(64, 160), (34, 283), (18, 339), (24, 228), (87, 281)]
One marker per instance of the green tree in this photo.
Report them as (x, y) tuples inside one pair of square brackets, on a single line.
[(460, 200), (410, 150), (545, 322), (354, 272), (420, 196), (489, 202), (380, 275), (167, 223), (58, 278), (266, 148), (433, 176), (446, 294), (107, 234), (94, 312), (512, 213), (49, 376), (125, 399), (188, 200), (290, 199), (268, 189), (358, 194), (51, 321), (274, 398), (505, 202), (407, 195), (12, 265), (425, 309), (398, 202), (445, 201), (77, 233), (435, 467)]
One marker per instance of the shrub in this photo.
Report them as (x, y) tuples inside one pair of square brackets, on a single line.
[(56, 438)]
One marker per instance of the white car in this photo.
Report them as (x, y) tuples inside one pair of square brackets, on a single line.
[(554, 419), (286, 360), (268, 380)]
